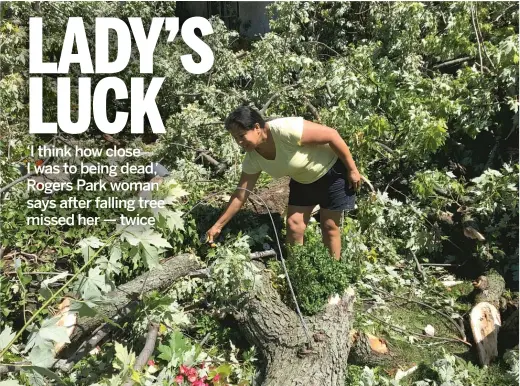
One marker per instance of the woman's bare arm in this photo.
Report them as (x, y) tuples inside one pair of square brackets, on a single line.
[(316, 134), (238, 198)]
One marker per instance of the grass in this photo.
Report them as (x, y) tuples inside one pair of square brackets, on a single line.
[(405, 353)]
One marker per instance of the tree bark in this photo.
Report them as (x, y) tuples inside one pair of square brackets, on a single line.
[(489, 288), (290, 358), (123, 299)]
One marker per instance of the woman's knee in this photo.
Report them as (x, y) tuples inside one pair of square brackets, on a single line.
[(329, 227), (295, 226)]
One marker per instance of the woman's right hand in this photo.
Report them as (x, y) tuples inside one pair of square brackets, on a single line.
[(213, 233)]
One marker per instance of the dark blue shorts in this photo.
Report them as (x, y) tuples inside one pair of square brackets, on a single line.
[(329, 192)]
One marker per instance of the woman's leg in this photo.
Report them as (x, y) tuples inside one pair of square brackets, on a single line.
[(297, 220), (330, 221)]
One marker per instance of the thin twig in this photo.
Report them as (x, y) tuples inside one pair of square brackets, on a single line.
[(505, 12), (476, 35), (425, 217), (419, 268), (482, 40), (367, 181), (313, 110)]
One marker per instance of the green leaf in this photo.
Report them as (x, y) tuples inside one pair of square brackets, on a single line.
[(88, 245), (44, 372), (174, 191), (150, 255), (124, 359), (139, 234), (41, 356), (50, 331), (175, 349), (85, 307), (6, 336), (111, 265), (173, 219), (94, 285), (45, 291)]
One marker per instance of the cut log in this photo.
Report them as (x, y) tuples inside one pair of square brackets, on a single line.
[(484, 317), (485, 324), (290, 358), (368, 350), (67, 319)]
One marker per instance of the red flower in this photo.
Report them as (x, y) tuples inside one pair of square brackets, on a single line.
[(216, 378), (179, 379), (39, 162), (151, 362)]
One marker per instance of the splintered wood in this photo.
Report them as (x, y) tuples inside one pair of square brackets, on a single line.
[(485, 323)]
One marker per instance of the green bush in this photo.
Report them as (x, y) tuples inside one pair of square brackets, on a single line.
[(314, 274)]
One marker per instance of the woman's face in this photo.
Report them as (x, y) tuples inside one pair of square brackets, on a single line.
[(247, 139)]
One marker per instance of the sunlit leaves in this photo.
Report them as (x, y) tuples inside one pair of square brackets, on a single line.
[(6, 336), (124, 359), (146, 243)]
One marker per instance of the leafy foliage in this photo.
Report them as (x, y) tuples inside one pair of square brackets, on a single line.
[(425, 94), (314, 275)]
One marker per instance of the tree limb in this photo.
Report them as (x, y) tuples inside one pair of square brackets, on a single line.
[(146, 352), (313, 110), (274, 96), (453, 61), (476, 35), (419, 268)]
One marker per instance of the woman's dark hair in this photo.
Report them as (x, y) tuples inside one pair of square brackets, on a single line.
[(244, 118)]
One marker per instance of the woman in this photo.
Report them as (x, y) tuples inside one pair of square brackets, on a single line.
[(316, 158)]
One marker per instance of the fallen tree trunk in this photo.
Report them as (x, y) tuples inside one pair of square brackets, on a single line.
[(123, 299), (291, 358), (89, 331)]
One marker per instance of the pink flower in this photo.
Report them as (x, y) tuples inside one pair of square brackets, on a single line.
[(179, 379), (151, 362), (216, 378), (192, 378), (184, 369), (199, 382)]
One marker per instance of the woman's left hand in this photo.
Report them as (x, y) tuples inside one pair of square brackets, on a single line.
[(354, 179)]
